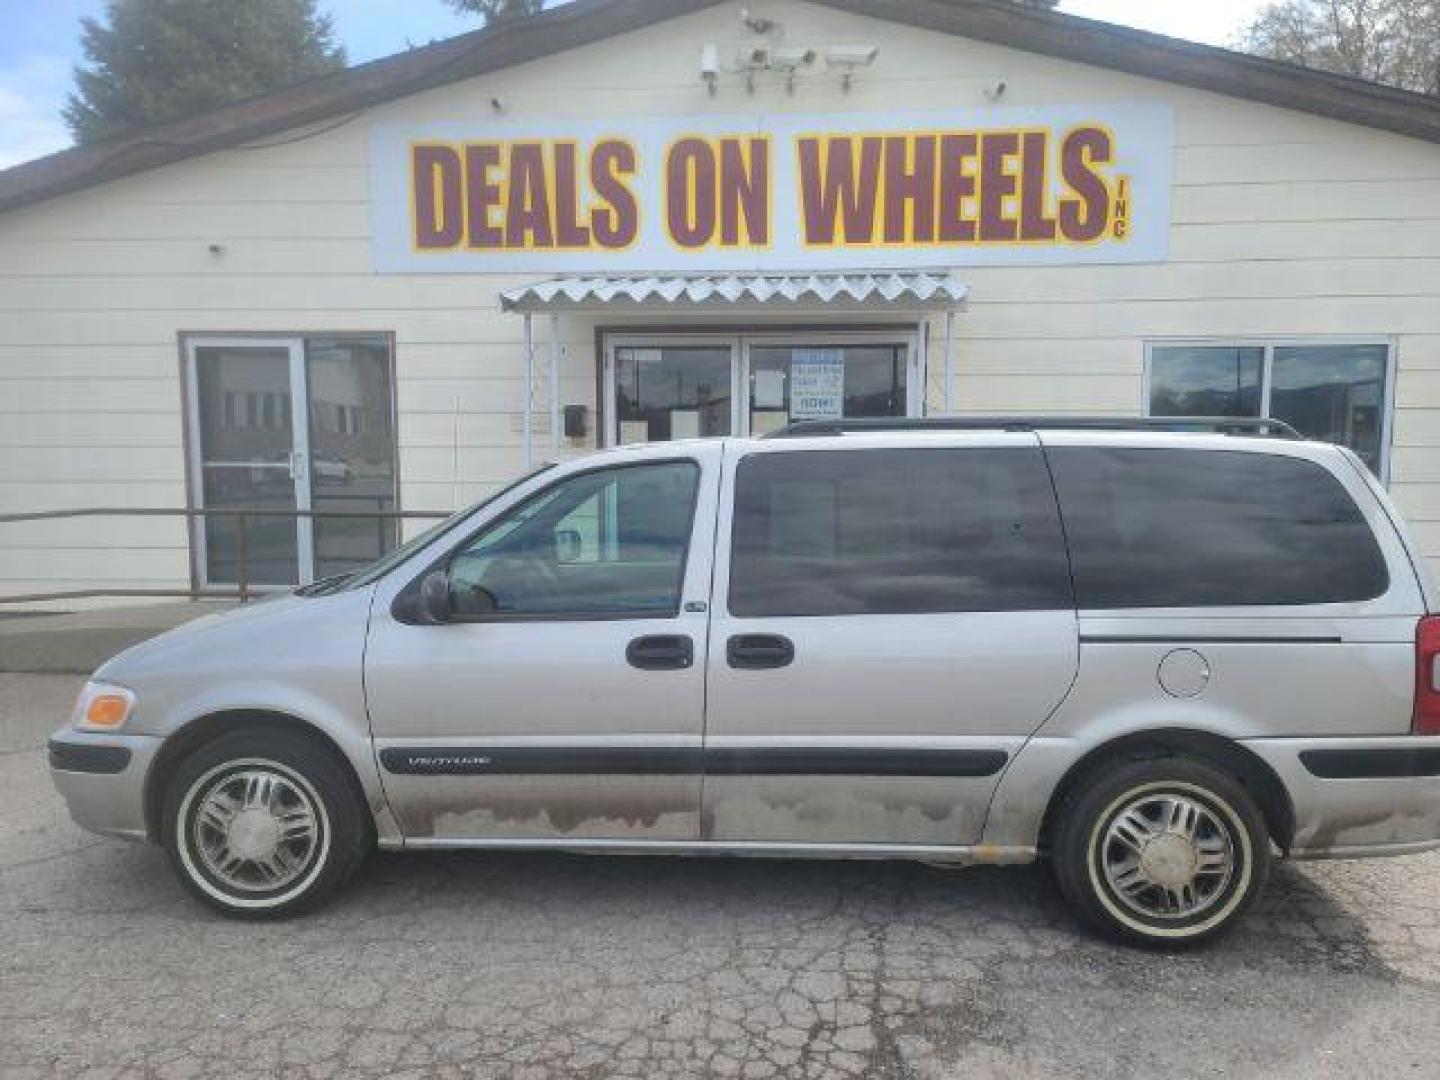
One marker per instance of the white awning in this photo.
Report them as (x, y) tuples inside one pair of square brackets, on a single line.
[(912, 290)]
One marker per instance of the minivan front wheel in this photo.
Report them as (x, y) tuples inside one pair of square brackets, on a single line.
[(1161, 851), (263, 823)]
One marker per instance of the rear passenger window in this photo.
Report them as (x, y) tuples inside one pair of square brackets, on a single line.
[(1198, 528), (889, 532)]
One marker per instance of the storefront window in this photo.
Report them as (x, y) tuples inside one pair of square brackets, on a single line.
[(1205, 381), (1334, 392), (801, 382), (680, 392)]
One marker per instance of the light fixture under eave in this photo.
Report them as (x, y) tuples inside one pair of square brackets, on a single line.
[(849, 58)]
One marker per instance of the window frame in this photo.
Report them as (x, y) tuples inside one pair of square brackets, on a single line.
[(411, 590), (1269, 345)]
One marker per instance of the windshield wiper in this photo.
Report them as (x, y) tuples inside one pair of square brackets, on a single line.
[(325, 585)]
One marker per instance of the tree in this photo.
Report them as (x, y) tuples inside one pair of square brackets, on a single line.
[(493, 11), (1388, 41), (148, 61)]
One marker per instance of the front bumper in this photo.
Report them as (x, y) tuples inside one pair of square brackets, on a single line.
[(1355, 798), (102, 778)]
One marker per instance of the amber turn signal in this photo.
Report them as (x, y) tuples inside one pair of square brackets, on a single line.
[(107, 711)]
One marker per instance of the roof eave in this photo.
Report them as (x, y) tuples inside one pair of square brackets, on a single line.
[(316, 101), (586, 22), (1166, 59)]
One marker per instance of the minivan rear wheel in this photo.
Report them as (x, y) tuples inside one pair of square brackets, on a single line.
[(263, 824), (1161, 851)]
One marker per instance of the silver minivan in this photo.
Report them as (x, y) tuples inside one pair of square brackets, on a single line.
[(1157, 654)]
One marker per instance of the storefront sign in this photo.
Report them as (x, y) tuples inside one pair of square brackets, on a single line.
[(1070, 184), (817, 384)]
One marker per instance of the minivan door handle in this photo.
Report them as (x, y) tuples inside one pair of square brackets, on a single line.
[(661, 652), (754, 652)]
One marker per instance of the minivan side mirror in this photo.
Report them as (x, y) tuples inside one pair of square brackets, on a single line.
[(435, 597)]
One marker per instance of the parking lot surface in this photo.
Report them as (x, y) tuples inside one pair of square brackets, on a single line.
[(475, 965)]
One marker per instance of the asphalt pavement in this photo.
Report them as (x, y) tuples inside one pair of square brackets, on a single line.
[(545, 966)]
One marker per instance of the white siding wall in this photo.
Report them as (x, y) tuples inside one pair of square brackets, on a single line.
[(1284, 225)]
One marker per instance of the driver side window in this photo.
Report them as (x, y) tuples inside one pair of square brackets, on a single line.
[(608, 542)]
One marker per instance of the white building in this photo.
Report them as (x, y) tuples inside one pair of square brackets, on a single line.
[(320, 298)]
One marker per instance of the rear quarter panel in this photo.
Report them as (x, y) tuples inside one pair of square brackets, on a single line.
[(1323, 670)]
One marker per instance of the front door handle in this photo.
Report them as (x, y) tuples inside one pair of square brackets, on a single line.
[(755, 652), (661, 652)]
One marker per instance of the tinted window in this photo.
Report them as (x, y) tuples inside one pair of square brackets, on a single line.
[(1194, 528), (608, 542), (895, 531)]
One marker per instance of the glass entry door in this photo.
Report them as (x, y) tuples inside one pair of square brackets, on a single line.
[(676, 387), (286, 424), (248, 434)]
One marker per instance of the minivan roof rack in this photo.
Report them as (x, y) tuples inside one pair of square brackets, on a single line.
[(1212, 425)]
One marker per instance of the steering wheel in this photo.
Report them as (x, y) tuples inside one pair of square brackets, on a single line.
[(521, 575)]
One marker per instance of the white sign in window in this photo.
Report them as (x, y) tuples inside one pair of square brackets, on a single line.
[(817, 384)]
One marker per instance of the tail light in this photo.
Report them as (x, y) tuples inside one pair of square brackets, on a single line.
[(1427, 677)]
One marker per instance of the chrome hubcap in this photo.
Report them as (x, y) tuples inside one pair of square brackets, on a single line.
[(1167, 856), (256, 830)]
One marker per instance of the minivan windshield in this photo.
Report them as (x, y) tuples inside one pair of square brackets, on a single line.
[(373, 572)]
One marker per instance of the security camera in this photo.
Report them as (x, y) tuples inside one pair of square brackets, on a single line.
[(996, 90), (788, 59), (849, 57), (852, 56), (755, 58)]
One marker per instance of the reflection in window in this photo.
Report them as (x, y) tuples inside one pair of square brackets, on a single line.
[(672, 393), (1205, 381), (608, 542), (1335, 393), (352, 450)]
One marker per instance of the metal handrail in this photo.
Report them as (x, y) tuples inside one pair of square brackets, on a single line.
[(243, 590)]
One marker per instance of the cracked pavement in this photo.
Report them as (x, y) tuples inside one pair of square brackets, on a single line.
[(478, 965)]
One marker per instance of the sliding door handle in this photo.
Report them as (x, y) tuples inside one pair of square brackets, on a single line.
[(661, 652), (755, 652)]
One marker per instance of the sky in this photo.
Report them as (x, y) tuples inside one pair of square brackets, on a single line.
[(39, 47)]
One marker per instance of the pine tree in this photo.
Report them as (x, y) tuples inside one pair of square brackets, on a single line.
[(149, 61), (493, 11)]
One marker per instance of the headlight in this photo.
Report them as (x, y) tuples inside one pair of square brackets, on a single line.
[(102, 707)]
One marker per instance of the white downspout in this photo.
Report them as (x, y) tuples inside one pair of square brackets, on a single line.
[(527, 422), (554, 387), (948, 397)]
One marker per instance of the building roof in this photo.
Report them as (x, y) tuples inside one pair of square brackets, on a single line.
[(916, 289), (337, 97)]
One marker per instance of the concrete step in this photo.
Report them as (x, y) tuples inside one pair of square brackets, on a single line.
[(78, 642)]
